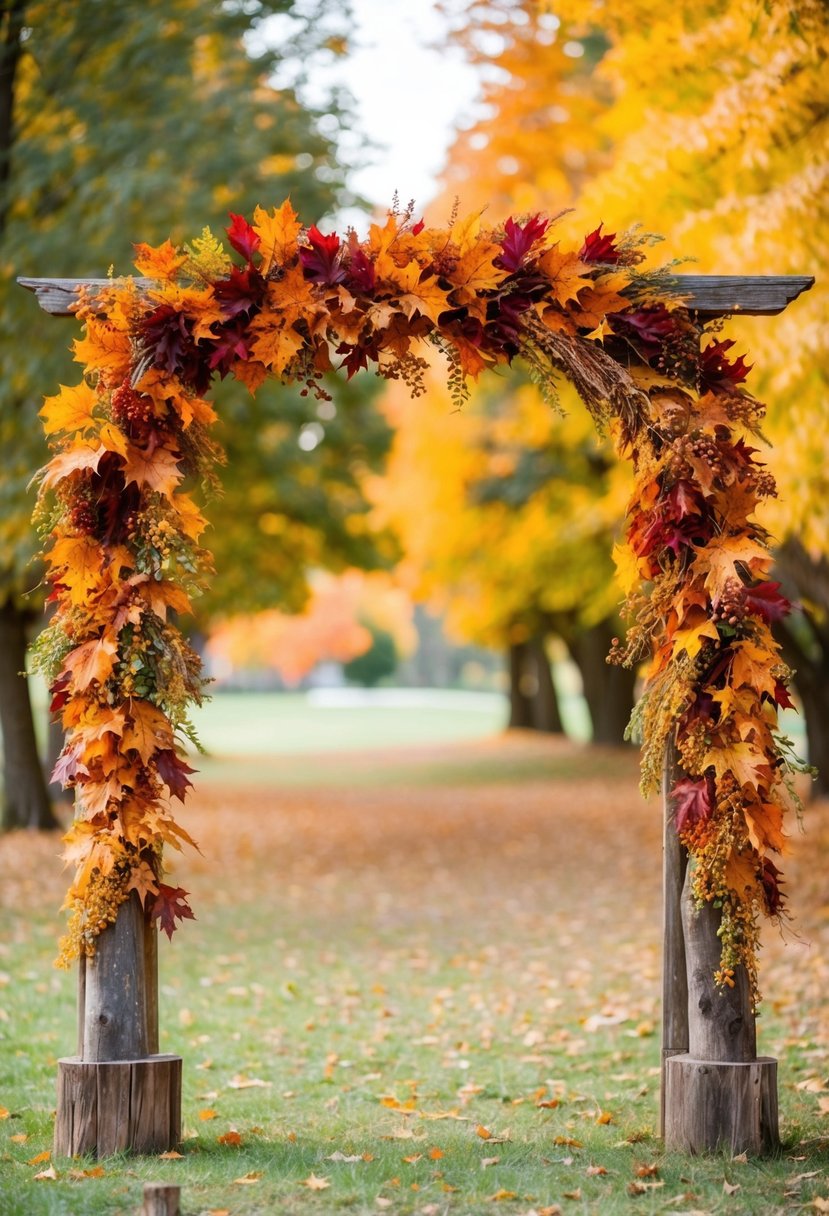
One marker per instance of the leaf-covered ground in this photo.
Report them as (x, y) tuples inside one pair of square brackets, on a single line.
[(422, 982)]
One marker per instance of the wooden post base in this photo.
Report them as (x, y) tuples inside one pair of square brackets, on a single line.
[(112, 1106), (713, 1106)]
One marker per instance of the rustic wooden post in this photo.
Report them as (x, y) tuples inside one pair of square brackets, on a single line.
[(118, 1093), (715, 1091), (160, 1199)]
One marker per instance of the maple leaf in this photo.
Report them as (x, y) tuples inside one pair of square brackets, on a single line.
[(70, 410), (426, 297), (477, 269), (154, 467), (647, 328), (752, 665), (148, 730), (92, 661), (79, 458), (518, 240), (144, 881), (68, 766), (160, 262), (764, 821), (765, 600), (781, 696), (691, 799), (277, 234), (104, 349), (229, 342), (321, 258), (79, 560), (173, 771), (316, 1184), (276, 345), (599, 247), (716, 372), (242, 236), (362, 275), (242, 291), (691, 637), (742, 760), (169, 905), (771, 883), (721, 558), (566, 273)]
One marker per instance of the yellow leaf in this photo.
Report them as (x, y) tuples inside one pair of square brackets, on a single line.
[(104, 349), (747, 765), (113, 439), (465, 231), (719, 558), (691, 638), (278, 234), (752, 667), (427, 298), (91, 661), (161, 262), (627, 568), (171, 1155), (475, 270), (567, 273), (4, 1112), (190, 519), (208, 1113), (78, 561), (73, 460), (158, 469), (316, 1184), (276, 345), (147, 731), (70, 410), (501, 1195)]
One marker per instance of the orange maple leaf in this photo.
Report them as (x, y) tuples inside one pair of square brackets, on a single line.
[(78, 561), (752, 666), (157, 469), (428, 298), (475, 271), (276, 345), (75, 459), (92, 661), (148, 730), (566, 272), (747, 765), (104, 349), (160, 262), (70, 410), (277, 234), (764, 822), (719, 559)]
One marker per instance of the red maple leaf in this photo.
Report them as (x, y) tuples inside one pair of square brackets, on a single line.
[(599, 248), (361, 272), (242, 291), (321, 258), (716, 372), (169, 904), (781, 696), (243, 237), (647, 328), (230, 344), (518, 240), (691, 798), (765, 600), (771, 881), (173, 771)]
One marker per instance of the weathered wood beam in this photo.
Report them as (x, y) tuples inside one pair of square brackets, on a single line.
[(708, 295)]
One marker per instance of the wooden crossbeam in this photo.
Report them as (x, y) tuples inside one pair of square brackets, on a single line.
[(707, 295)]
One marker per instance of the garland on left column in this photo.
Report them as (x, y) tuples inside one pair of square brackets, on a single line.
[(123, 557)]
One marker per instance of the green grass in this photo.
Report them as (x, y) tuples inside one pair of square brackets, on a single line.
[(468, 935)]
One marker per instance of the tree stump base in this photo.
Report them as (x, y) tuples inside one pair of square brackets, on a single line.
[(711, 1106), (112, 1106)]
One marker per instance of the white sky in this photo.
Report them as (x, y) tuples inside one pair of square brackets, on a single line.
[(410, 89)]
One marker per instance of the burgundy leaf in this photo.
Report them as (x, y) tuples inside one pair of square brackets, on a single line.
[(716, 372), (321, 258), (691, 798), (781, 696), (173, 771), (518, 240), (169, 904), (599, 248), (765, 600), (770, 878), (242, 291)]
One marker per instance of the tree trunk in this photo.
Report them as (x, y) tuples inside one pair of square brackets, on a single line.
[(533, 698), (608, 690), (26, 802)]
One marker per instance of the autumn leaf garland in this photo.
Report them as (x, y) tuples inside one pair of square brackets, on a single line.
[(123, 548)]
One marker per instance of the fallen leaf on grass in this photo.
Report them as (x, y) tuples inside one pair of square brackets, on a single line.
[(172, 1155), (604, 1117), (243, 1082), (501, 1195), (641, 1188), (740, 1159), (314, 1183), (380, 1202), (435, 1154), (646, 1171), (594, 1171), (730, 1188), (97, 1171), (49, 1175), (568, 1142), (483, 1132), (19, 1138), (820, 1205), (487, 1161), (209, 1113), (812, 1085), (4, 1114), (548, 1104), (576, 1194), (413, 1158), (218, 1212), (233, 1139), (40, 1157), (248, 1179), (338, 1156)]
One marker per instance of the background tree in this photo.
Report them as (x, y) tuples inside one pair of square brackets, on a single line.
[(117, 123), (708, 123)]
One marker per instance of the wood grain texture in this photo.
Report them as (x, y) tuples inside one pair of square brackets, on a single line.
[(721, 1025), (674, 975), (115, 990), (711, 1107), (709, 295), (113, 1106), (161, 1199)]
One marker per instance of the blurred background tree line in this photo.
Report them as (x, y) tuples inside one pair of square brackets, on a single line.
[(705, 122)]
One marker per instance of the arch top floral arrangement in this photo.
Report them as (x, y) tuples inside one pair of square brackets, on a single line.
[(131, 440)]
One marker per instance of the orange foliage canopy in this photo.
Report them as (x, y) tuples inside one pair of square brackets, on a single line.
[(123, 540)]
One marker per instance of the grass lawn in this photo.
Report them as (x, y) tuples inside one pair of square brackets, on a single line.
[(424, 981)]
